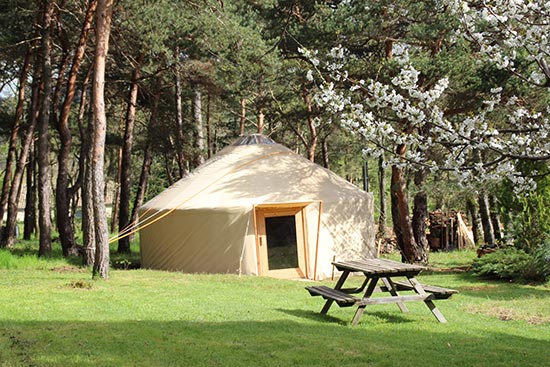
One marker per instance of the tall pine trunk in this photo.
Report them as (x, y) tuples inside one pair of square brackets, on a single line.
[(85, 164), (182, 162), (242, 119), (126, 162), (29, 223), (62, 192), (44, 183), (26, 143), (104, 14), (472, 209), (148, 154), (12, 145), (199, 134), (485, 216)]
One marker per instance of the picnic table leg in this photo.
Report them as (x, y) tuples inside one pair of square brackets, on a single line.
[(393, 291), (338, 285), (420, 290), (361, 308)]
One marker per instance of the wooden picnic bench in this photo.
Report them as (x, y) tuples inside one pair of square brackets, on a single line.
[(383, 270)]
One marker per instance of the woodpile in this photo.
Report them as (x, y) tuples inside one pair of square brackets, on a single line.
[(448, 231)]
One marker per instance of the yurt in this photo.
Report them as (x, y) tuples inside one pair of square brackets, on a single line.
[(257, 208)]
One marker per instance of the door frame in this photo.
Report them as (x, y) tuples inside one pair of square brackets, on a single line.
[(297, 210)]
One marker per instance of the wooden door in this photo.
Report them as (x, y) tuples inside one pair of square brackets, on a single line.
[(281, 241)]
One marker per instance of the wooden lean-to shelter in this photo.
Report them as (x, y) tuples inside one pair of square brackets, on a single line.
[(257, 208)]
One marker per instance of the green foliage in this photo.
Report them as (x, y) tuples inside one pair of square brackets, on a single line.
[(507, 264), (528, 213), (515, 264)]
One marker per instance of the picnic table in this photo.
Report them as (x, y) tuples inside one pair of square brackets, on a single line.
[(386, 271)]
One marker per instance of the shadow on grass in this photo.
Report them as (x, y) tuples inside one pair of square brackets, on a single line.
[(316, 316), (500, 290), (256, 343)]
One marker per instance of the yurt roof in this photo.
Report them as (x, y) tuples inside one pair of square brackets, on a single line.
[(254, 170)]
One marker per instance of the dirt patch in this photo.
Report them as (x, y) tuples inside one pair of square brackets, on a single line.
[(80, 284), (508, 314), (68, 269), (476, 288), (454, 269)]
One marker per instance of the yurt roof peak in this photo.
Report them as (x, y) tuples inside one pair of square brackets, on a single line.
[(252, 139)]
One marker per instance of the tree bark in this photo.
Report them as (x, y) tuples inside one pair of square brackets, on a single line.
[(44, 183), (400, 212), (495, 218), (199, 134), (179, 125), (312, 144), (12, 145), (261, 121), (208, 128), (382, 195), (242, 120), (147, 155), (324, 152), (104, 14), (26, 143), (29, 226), (63, 217), (471, 206), (126, 162), (484, 214), (85, 175), (420, 215)]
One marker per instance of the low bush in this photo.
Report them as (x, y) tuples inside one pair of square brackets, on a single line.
[(515, 264)]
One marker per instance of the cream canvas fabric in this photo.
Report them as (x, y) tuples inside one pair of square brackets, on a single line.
[(204, 223)]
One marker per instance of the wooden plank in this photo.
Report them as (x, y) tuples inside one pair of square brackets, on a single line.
[(341, 298), (387, 300), (379, 267), (440, 292)]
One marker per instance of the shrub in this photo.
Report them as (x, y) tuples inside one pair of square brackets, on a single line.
[(538, 268), (515, 264)]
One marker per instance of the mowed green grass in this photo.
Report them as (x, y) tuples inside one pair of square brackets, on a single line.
[(57, 316)]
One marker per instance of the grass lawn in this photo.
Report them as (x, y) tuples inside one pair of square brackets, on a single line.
[(55, 315)]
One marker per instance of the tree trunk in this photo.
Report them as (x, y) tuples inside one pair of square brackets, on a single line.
[(147, 155), (103, 26), (324, 153), (420, 215), (85, 175), (179, 125), (471, 207), (126, 162), (44, 183), (382, 195), (261, 121), (29, 226), (63, 217), (495, 219), (242, 121), (208, 127), (12, 145), (26, 143), (400, 212), (199, 134), (484, 214), (312, 144)]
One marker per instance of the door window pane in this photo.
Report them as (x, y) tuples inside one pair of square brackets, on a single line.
[(282, 251)]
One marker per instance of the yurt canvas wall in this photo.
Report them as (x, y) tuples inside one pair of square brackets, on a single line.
[(257, 208)]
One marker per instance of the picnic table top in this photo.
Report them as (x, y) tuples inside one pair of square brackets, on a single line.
[(381, 267)]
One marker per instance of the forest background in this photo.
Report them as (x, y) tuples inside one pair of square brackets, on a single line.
[(442, 104)]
